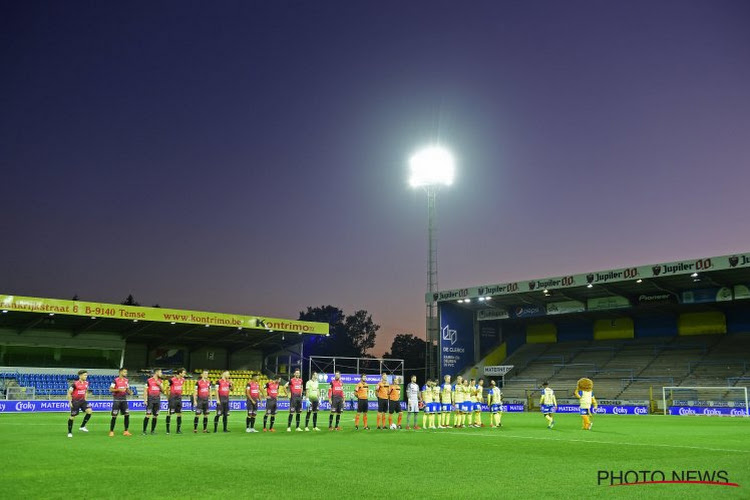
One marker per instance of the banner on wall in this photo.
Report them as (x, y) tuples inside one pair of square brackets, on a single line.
[(685, 267), (606, 409), (715, 294), (700, 410), (528, 311), (28, 406), (656, 298), (157, 314), (456, 339), (741, 292), (613, 302), (491, 314), (566, 307), (489, 337)]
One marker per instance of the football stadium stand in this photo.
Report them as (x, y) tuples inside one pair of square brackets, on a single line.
[(630, 370), (632, 330), (49, 384), (44, 342), (54, 383)]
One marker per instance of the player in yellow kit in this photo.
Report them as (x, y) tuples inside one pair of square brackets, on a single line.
[(427, 400), (446, 402), (437, 412), (471, 397), (495, 402), (458, 402), (547, 403), (468, 405), (478, 399)]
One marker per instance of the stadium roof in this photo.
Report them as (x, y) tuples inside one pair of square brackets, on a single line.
[(151, 325), (669, 286)]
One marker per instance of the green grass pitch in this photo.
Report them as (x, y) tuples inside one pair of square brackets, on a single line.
[(522, 459)]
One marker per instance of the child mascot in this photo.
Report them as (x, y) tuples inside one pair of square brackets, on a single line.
[(586, 399)]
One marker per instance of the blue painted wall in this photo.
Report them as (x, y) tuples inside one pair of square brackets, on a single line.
[(574, 330), (738, 320), (657, 326)]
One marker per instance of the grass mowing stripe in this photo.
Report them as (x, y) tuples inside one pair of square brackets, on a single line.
[(551, 438)]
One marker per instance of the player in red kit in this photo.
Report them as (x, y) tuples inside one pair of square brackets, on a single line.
[(252, 391), (77, 400), (272, 394), (336, 396), (223, 387), (120, 389), (202, 401), (175, 398), (152, 396), (295, 388)]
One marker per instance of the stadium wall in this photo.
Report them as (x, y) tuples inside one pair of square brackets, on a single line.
[(60, 348), (212, 358), (61, 338), (136, 356), (490, 336), (656, 326), (246, 360), (541, 333), (568, 331), (616, 328), (738, 320), (702, 323), (514, 336)]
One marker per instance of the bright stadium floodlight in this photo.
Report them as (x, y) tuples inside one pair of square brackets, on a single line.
[(431, 166)]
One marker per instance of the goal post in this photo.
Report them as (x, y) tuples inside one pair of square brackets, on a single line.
[(18, 393), (728, 401)]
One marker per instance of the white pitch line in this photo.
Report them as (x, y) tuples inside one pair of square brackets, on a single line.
[(598, 442)]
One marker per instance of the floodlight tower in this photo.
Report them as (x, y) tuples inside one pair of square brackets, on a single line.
[(431, 168)]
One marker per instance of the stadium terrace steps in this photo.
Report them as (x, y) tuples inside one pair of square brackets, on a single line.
[(521, 357), (596, 357), (630, 369)]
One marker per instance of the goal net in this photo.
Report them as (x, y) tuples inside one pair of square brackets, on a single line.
[(19, 393), (729, 401)]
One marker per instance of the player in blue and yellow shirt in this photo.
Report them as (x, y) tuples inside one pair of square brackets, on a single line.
[(446, 402), (436, 410), (495, 402), (548, 402), (458, 401), (478, 399), (427, 400)]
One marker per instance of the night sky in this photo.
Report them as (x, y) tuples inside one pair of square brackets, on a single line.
[(251, 157)]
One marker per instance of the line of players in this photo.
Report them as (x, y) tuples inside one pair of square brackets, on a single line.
[(204, 394), (464, 398)]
